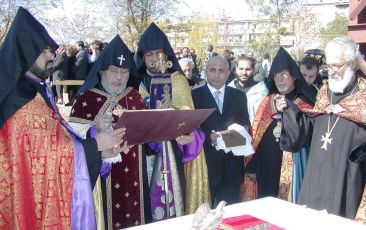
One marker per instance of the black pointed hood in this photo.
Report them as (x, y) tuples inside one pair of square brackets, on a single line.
[(115, 53), (24, 42), (153, 39), (283, 61)]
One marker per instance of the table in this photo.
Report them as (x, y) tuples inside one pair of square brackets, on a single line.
[(66, 83), (278, 212)]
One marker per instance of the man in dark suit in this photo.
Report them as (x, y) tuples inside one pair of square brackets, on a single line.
[(60, 72), (225, 170), (80, 68)]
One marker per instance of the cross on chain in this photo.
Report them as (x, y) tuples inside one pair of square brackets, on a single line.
[(121, 59), (326, 139)]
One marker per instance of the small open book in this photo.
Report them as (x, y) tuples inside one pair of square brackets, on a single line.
[(232, 138)]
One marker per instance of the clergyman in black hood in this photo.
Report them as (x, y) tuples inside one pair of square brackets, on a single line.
[(43, 155), (273, 167), (163, 86), (101, 100)]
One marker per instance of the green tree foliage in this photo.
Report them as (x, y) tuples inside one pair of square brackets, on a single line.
[(337, 27), (201, 33)]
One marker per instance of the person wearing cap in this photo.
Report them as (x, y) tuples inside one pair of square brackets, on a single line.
[(271, 168), (101, 100), (335, 132), (47, 170), (165, 89)]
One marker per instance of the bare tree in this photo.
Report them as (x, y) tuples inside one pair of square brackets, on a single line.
[(8, 9), (86, 25), (275, 25), (306, 28), (132, 17)]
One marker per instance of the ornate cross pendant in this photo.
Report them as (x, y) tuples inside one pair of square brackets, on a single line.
[(326, 139)]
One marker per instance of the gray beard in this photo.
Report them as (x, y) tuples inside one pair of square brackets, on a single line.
[(339, 86), (110, 90)]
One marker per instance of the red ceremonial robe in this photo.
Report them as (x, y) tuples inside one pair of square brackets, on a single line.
[(124, 186), (36, 170)]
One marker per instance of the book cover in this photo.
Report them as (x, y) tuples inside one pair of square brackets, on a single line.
[(156, 125), (246, 222)]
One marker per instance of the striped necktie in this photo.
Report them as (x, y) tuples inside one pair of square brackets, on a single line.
[(218, 100)]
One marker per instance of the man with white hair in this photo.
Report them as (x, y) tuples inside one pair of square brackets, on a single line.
[(187, 65), (335, 131)]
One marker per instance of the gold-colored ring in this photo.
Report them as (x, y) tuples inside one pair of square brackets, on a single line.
[(115, 146)]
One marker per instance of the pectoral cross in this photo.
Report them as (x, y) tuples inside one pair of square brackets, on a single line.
[(326, 140), (121, 59)]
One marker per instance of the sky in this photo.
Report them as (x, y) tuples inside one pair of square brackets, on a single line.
[(237, 9), (185, 9)]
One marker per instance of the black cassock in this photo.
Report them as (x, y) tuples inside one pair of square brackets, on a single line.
[(335, 175), (266, 164)]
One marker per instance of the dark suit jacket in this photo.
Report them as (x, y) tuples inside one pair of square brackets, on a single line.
[(81, 65), (60, 67), (234, 111)]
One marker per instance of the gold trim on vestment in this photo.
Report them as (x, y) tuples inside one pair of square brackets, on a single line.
[(141, 184), (109, 202), (197, 188), (98, 204)]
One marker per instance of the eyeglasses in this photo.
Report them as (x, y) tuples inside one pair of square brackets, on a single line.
[(334, 67), (283, 74)]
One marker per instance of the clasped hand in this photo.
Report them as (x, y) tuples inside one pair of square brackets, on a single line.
[(109, 142), (280, 102)]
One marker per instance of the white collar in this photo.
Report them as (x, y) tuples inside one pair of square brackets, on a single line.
[(213, 90)]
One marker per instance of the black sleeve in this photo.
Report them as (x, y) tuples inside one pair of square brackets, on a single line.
[(358, 154), (93, 159), (246, 121), (297, 129)]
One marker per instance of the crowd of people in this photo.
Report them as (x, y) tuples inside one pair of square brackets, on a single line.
[(307, 132)]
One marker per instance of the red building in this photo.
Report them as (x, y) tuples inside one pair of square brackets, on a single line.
[(357, 23)]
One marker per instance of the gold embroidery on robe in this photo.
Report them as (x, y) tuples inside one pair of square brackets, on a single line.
[(36, 170), (197, 188)]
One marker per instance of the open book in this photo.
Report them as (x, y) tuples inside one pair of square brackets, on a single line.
[(232, 138), (235, 139), (156, 125)]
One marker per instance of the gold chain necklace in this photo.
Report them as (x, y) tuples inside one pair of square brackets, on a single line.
[(326, 137)]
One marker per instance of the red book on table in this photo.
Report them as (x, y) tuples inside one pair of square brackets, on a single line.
[(246, 222), (144, 126)]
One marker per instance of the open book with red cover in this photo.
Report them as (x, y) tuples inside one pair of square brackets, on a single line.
[(246, 222), (156, 125)]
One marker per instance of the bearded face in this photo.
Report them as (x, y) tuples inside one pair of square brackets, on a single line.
[(336, 83), (114, 79), (341, 73), (244, 70), (43, 66)]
